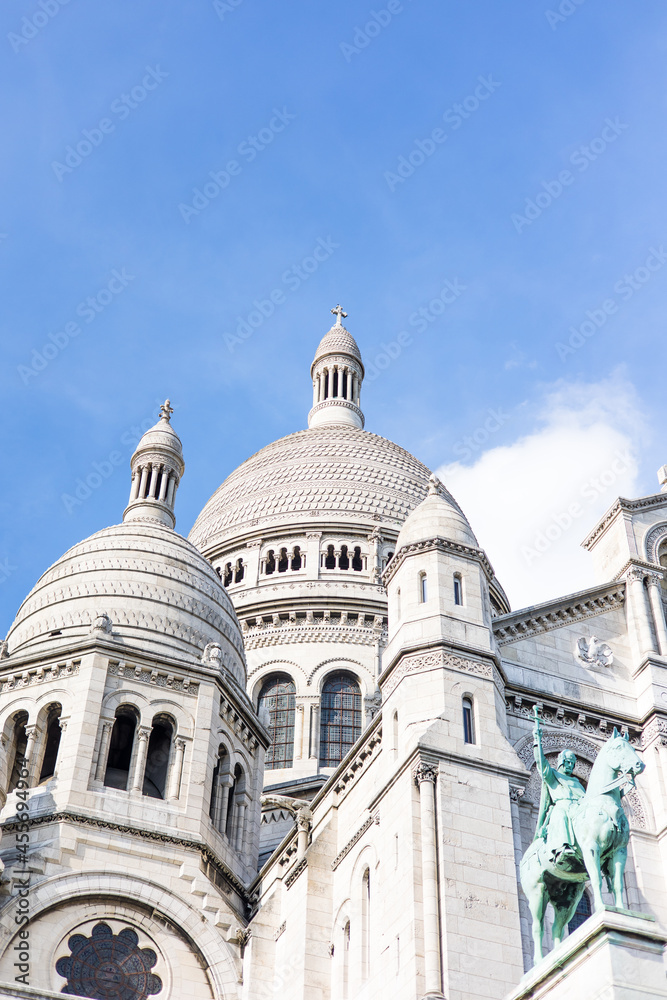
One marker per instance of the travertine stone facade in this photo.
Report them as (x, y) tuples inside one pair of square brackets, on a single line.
[(292, 755)]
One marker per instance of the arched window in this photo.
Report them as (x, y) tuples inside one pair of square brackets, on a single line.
[(283, 561), (52, 744), (330, 558), (270, 563), (340, 723), (423, 588), (120, 749), (458, 589), (230, 817), (234, 820), (357, 562), (582, 913), (296, 558), (228, 577), (239, 571), (365, 924), (222, 779), (18, 749), (157, 758), (468, 721), (277, 698), (344, 559)]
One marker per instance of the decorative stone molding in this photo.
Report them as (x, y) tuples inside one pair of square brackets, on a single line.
[(259, 633), (556, 614), (295, 872), (38, 675), (353, 840), (653, 539), (280, 931), (440, 658), (655, 732), (102, 623), (629, 507), (592, 652), (425, 772), (572, 719), (517, 793), (235, 723), (158, 678), (359, 762), (207, 856), (437, 545)]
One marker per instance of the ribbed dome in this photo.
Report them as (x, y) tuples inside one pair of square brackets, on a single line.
[(160, 593), (337, 341), (339, 473), (439, 516)]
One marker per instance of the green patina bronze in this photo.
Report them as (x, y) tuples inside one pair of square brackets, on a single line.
[(581, 835)]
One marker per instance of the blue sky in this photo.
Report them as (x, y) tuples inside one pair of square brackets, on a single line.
[(563, 110)]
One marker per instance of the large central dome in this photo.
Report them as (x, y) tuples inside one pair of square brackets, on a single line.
[(334, 472)]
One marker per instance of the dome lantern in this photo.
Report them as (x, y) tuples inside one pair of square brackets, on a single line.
[(157, 467), (338, 372)]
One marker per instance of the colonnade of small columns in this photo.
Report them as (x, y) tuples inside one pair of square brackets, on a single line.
[(337, 382), (154, 481), (139, 757), (648, 614)]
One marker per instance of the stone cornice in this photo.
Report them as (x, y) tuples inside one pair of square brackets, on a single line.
[(627, 507), (555, 614), (301, 628), (15, 678), (641, 564), (439, 545), (81, 819), (572, 718), (441, 656)]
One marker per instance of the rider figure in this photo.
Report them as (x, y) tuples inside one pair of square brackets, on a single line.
[(561, 791)]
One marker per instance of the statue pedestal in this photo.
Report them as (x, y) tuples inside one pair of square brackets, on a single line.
[(615, 955)]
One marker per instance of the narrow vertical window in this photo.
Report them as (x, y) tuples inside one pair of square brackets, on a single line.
[(278, 698), (346, 961), (357, 562), (458, 589), (398, 603), (228, 577), (270, 563), (344, 559), (365, 924), (423, 588), (394, 738), (582, 913), (296, 558), (239, 571), (231, 805), (468, 722), (330, 560)]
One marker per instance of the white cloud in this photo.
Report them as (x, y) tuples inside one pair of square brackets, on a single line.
[(531, 503)]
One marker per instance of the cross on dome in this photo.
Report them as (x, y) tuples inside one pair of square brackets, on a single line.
[(339, 314), (166, 410)]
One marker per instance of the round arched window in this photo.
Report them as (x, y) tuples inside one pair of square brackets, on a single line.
[(340, 721), (278, 698)]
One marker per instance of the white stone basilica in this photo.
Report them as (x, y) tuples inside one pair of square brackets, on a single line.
[(292, 755)]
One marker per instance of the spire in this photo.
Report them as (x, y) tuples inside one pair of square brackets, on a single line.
[(157, 467), (337, 372)]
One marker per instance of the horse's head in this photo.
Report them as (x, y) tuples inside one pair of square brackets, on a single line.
[(621, 757)]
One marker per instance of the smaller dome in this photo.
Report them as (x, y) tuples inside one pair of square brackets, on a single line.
[(337, 341), (161, 437), (438, 516)]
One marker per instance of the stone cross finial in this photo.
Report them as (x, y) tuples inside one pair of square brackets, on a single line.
[(166, 410), (339, 314), (434, 484)]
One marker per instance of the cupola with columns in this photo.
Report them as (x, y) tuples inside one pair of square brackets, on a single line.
[(338, 372), (157, 467)]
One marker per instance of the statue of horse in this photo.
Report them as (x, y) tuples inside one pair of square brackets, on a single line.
[(601, 832)]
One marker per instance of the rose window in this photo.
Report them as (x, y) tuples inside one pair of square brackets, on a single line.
[(108, 966)]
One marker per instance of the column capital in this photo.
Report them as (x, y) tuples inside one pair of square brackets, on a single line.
[(654, 578), (425, 772), (635, 574), (143, 733), (179, 743), (516, 793)]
